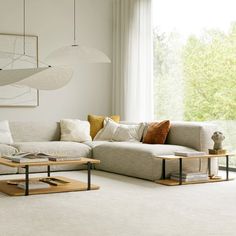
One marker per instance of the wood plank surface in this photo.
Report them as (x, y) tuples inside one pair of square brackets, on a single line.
[(81, 161), (170, 182), (73, 185), (173, 157)]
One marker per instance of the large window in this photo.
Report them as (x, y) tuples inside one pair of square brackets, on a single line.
[(195, 63)]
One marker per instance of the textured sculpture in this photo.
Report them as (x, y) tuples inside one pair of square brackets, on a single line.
[(218, 138)]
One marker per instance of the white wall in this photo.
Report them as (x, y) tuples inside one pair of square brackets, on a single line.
[(52, 20)]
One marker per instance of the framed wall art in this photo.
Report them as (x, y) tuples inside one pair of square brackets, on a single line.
[(12, 57)]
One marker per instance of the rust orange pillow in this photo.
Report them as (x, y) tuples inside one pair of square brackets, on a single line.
[(157, 132), (96, 123)]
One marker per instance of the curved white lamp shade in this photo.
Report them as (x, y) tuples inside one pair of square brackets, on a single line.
[(76, 54), (15, 75), (45, 78)]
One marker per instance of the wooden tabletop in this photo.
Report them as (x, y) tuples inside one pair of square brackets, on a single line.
[(81, 161), (173, 157)]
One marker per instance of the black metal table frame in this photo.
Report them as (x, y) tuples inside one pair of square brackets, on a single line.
[(181, 169), (26, 167)]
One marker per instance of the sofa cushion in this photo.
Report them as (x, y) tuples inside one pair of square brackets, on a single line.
[(55, 148), (7, 150), (138, 159), (195, 135), (75, 130), (130, 148), (93, 144), (120, 132), (29, 131), (96, 123)]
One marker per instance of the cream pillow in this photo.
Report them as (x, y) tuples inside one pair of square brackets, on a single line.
[(75, 130), (5, 133), (129, 133), (106, 133), (113, 131)]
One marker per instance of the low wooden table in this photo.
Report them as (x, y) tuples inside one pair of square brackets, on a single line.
[(73, 185), (171, 182)]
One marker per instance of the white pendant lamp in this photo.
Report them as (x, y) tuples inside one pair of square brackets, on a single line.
[(43, 78), (47, 78), (76, 54), (14, 76), (50, 79)]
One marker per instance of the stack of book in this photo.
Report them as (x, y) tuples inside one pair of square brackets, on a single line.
[(64, 158), (189, 177), (24, 157), (190, 154)]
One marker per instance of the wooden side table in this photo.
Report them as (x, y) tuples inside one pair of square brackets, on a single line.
[(171, 182)]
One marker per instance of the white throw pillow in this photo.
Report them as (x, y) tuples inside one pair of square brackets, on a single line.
[(5, 133), (106, 133), (129, 133), (75, 130), (113, 131)]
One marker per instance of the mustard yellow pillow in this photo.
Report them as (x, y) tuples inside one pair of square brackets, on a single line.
[(96, 123)]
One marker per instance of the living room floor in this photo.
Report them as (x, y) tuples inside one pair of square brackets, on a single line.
[(123, 206)]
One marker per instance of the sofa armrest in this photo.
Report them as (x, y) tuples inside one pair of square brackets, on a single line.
[(196, 135)]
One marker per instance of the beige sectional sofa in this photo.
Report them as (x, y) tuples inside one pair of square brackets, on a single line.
[(127, 158)]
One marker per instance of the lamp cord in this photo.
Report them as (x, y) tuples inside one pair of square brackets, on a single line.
[(19, 56), (24, 26), (74, 24)]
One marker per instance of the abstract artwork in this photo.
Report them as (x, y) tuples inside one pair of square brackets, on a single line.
[(11, 57), (16, 95)]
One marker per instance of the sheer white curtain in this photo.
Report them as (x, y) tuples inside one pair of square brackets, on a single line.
[(132, 60)]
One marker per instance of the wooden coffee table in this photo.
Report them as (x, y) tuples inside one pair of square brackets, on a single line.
[(171, 182), (72, 185)]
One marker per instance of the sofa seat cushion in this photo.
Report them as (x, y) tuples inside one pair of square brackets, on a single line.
[(139, 160), (55, 148), (7, 150), (140, 149), (93, 144)]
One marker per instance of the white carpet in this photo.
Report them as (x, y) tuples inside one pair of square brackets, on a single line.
[(123, 206)]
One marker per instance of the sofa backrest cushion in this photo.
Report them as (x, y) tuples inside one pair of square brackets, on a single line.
[(196, 135), (35, 131)]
